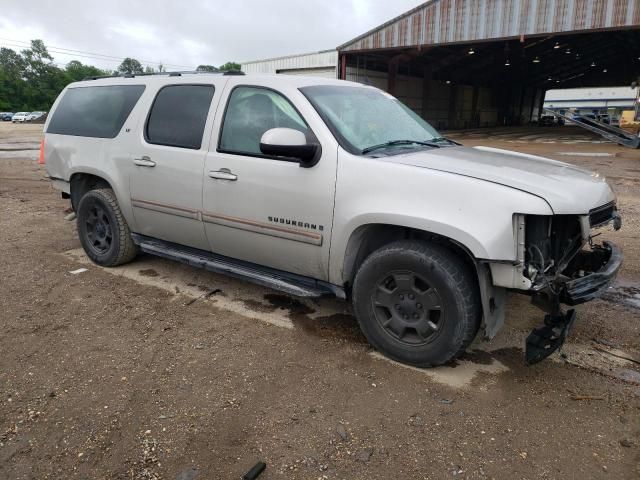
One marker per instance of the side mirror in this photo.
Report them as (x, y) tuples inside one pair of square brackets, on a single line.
[(287, 142)]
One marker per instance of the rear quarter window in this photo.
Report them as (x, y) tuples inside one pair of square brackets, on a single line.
[(96, 112)]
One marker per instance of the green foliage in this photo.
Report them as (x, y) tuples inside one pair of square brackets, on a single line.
[(130, 66), (229, 66), (206, 68), (30, 81)]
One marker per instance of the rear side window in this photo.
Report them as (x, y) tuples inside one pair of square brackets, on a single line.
[(178, 116), (94, 111)]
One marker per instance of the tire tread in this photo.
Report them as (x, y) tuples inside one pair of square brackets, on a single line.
[(127, 249), (455, 268)]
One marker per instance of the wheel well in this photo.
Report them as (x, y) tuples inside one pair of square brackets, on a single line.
[(369, 238), (81, 183)]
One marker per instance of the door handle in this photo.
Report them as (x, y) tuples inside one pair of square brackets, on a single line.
[(144, 161), (223, 174)]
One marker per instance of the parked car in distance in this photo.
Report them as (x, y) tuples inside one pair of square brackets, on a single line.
[(548, 120), (34, 116), (320, 187), (6, 116), (604, 118), (20, 117)]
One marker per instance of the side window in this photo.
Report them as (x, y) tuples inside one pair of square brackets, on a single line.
[(97, 112), (251, 111), (178, 116)]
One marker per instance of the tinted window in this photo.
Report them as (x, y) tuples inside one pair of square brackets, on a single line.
[(251, 111), (178, 115), (94, 111)]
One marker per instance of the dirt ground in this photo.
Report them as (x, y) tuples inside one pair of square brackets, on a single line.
[(158, 371)]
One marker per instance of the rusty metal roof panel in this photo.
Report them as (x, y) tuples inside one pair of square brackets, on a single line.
[(448, 21)]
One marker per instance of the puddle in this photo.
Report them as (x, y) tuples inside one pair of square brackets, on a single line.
[(322, 317), (624, 291), (458, 375), (290, 304)]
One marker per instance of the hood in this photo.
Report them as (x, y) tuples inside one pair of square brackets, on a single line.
[(566, 188)]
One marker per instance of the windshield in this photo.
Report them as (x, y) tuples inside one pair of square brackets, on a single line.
[(365, 117)]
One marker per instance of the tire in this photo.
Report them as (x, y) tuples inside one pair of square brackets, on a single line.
[(103, 231), (417, 303)]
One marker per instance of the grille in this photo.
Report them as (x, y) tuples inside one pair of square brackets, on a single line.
[(601, 215)]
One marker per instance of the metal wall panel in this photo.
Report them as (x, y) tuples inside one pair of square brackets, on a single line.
[(446, 21), (324, 59)]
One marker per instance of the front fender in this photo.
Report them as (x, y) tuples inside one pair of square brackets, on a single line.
[(475, 213)]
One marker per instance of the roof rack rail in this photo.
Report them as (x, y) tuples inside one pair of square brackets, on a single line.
[(169, 74)]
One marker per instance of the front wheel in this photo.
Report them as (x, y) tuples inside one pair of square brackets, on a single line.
[(417, 303), (103, 230)]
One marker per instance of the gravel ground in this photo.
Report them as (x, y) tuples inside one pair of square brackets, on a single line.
[(142, 372)]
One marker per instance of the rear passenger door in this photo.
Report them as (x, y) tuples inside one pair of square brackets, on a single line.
[(166, 175)]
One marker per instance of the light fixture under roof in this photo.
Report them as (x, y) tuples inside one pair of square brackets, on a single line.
[(471, 51), (567, 51), (507, 63), (593, 64), (536, 59), (604, 70), (549, 79), (557, 45), (448, 82)]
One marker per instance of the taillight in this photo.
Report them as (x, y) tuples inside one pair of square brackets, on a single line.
[(41, 158)]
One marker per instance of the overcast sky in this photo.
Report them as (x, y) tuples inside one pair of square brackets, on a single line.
[(183, 34)]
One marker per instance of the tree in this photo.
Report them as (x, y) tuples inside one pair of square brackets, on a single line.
[(43, 79), (230, 66), (130, 66), (76, 71), (206, 68)]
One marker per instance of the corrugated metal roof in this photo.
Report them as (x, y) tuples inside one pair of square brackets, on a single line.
[(449, 21)]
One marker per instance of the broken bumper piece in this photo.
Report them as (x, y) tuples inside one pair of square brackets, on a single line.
[(545, 340), (601, 265)]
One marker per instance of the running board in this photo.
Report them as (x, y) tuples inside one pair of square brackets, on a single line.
[(614, 134), (290, 283)]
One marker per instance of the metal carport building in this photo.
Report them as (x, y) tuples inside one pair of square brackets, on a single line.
[(470, 63)]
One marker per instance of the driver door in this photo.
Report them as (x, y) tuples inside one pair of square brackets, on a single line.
[(263, 209)]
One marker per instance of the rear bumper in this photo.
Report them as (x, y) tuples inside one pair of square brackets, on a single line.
[(603, 263)]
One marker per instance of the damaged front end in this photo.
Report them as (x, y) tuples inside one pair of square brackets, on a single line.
[(565, 266)]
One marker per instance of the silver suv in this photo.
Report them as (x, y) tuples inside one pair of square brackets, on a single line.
[(324, 187)]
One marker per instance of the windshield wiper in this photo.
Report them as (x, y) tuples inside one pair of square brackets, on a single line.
[(399, 142), (444, 139)]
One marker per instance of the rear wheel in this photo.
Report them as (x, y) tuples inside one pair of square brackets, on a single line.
[(103, 231), (417, 303)]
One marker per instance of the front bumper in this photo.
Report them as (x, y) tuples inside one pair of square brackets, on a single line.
[(591, 273)]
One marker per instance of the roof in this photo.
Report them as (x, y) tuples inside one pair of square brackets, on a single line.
[(188, 77), (439, 22), (286, 57)]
